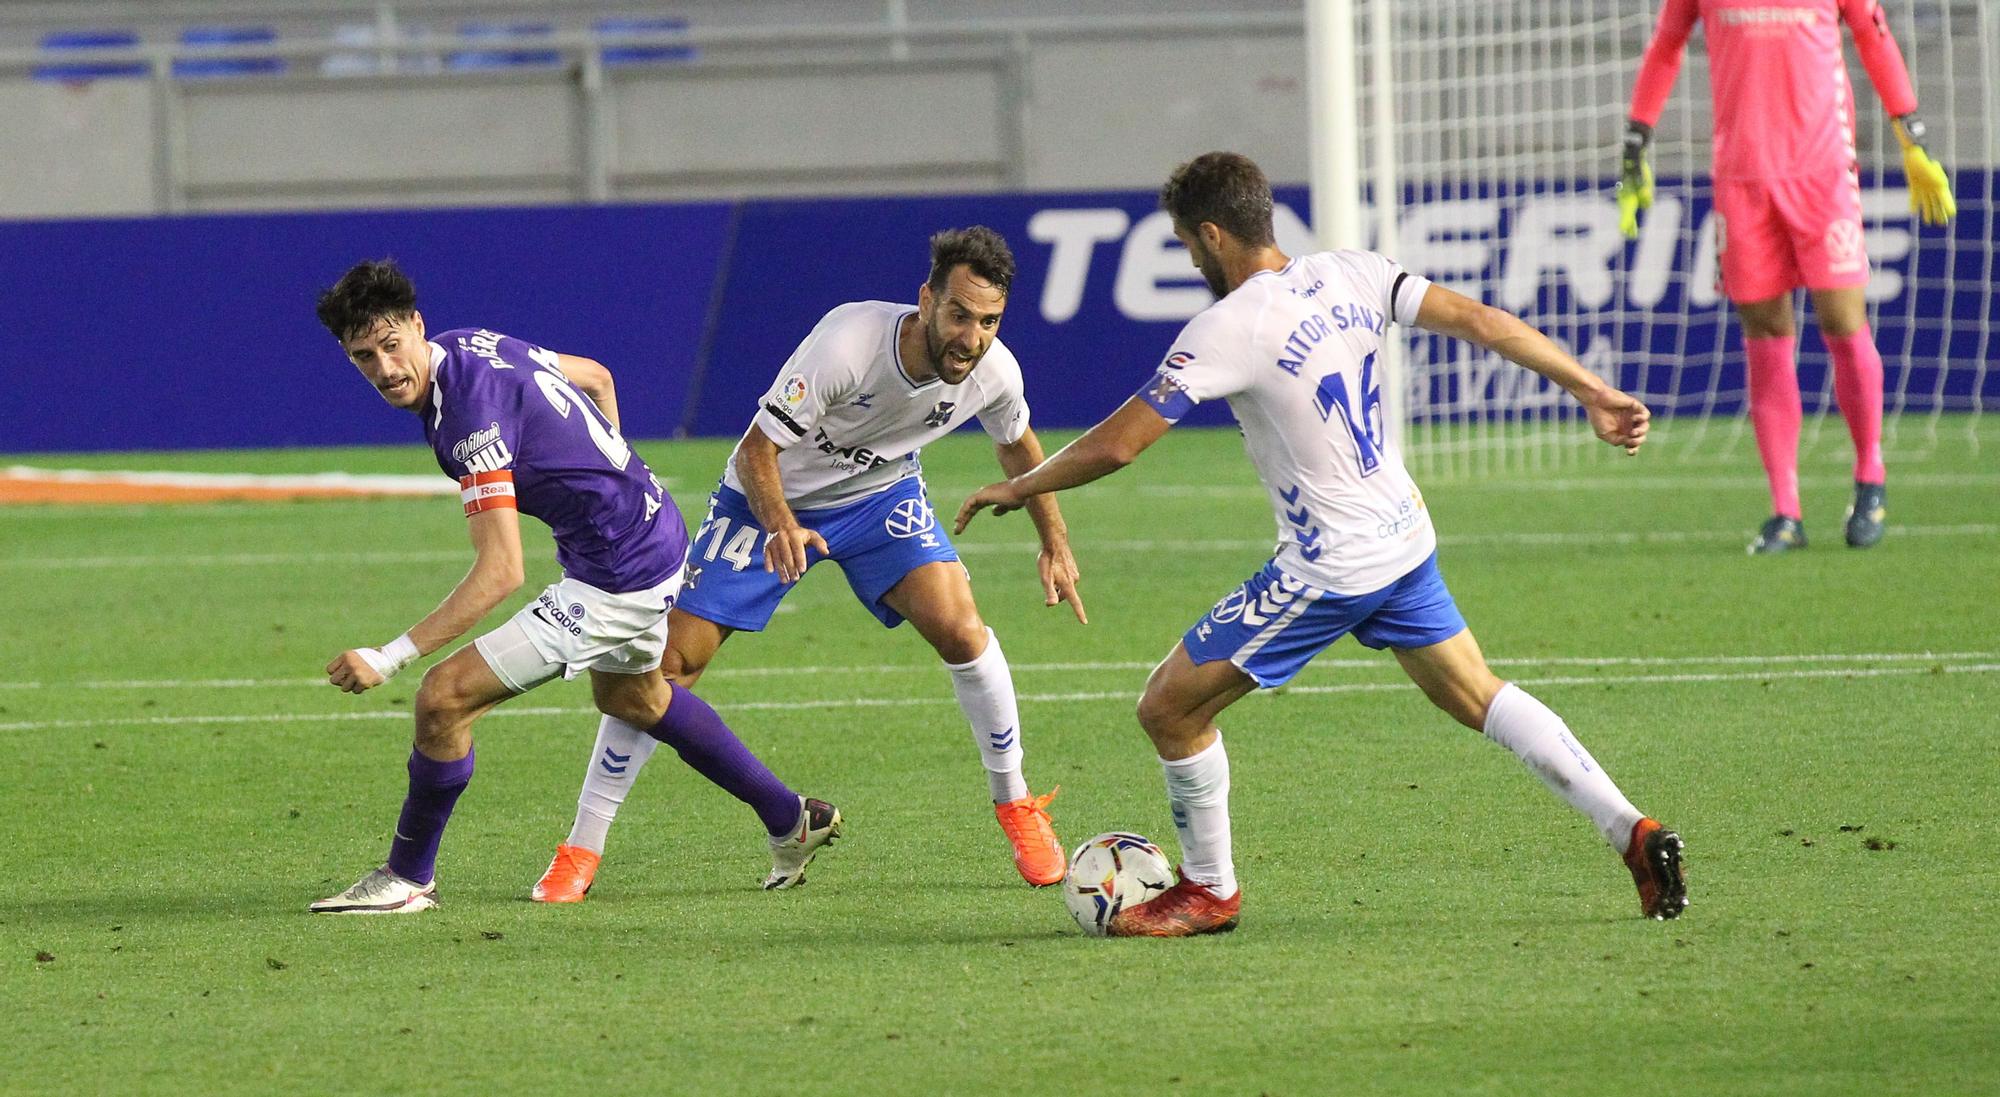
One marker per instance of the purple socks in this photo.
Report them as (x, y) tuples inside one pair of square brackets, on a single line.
[(704, 742), (434, 788)]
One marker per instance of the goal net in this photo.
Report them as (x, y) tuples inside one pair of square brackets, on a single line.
[(1507, 121)]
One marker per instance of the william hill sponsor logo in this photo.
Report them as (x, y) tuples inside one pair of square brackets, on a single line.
[(483, 451)]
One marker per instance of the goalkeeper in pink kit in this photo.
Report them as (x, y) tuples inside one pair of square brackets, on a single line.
[(1788, 211)]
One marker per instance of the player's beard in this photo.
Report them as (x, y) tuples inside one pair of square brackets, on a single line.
[(1211, 272), (937, 348)]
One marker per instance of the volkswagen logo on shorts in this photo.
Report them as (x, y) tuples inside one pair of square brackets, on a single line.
[(576, 611), (1231, 606), (910, 518)]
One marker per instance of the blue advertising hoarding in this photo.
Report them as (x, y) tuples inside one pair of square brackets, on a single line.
[(198, 332)]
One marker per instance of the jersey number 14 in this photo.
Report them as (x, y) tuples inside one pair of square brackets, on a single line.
[(1367, 428)]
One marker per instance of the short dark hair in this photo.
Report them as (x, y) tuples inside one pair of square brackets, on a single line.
[(979, 248), (1226, 189), (367, 293)]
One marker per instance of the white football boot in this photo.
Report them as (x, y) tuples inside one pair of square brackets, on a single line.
[(819, 824), (380, 892)]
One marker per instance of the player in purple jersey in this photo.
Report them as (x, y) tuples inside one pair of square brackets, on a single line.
[(524, 429)]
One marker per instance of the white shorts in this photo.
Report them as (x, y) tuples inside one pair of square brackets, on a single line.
[(572, 627)]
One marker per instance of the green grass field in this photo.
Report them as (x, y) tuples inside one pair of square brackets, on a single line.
[(1421, 916)]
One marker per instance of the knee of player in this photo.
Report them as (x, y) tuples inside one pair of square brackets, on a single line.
[(1158, 718), (680, 669), (1471, 702), (438, 697), (963, 642), (1838, 325), (641, 704)]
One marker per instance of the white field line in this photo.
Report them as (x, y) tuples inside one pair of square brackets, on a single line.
[(1086, 546), (941, 698), (375, 484), (1608, 482), (1382, 663)]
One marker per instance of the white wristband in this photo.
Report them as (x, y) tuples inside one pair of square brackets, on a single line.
[(391, 657)]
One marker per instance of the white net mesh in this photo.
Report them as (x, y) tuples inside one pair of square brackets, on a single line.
[(1508, 120)]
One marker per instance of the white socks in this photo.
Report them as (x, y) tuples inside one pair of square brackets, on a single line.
[(985, 689), (1527, 727), (1198, 793), (621, 751)]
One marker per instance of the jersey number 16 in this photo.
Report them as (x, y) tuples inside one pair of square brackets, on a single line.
[(1367, 428)]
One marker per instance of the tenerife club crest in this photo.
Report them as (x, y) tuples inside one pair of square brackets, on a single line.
[(941, 414)]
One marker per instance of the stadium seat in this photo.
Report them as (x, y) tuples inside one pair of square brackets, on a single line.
[(202, 68), (499, 35), (58, 41), (618, 25), (361, 59)]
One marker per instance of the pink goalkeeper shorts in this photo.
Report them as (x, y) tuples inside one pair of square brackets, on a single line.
[(1773, 235)]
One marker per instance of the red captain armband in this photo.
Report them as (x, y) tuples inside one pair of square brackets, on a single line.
[(487, 491)]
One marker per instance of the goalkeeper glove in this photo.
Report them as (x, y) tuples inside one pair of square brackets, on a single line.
[(1635, 178), (1930, 188)]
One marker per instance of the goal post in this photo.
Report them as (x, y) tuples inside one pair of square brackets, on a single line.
[(1477, 143)]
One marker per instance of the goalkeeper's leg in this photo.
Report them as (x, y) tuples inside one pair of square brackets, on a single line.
[(1857, 385), (1857, 374), (1775, 415), (1760, 269)]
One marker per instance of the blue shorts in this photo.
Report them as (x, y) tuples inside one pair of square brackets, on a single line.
[(1274, 624), (876, 542)]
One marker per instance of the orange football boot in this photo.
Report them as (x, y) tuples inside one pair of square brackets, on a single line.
[(1654, 856), (569, 876), (1183, 910), (1037, 853)]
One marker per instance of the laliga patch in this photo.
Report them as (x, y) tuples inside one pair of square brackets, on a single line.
[(912, 518), (1180, 359), (793, 391)]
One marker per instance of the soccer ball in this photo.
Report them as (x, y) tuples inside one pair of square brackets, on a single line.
[(1109, 873)]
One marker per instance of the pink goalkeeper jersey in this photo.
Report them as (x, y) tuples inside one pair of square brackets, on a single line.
[(1782, 103)]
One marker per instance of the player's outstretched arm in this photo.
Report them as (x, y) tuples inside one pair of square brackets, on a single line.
[(1930, 187), (496, 573), (1658, 69), (785, 541), (593, 380), (1618, 418), (1056, 563), (1103, 450)]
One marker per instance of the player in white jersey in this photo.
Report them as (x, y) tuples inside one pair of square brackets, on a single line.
[(1292, 345), (828, 470)]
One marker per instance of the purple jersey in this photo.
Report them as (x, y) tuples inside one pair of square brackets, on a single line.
[(510, 427)]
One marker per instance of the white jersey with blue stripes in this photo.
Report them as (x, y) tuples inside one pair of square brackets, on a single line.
[(848, 420), (1295, 353)]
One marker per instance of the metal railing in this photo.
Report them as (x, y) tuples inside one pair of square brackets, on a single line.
[(398, 57)]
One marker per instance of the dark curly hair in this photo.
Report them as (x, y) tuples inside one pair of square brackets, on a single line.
[(367, 293), (978, 248), (1226, 189)]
